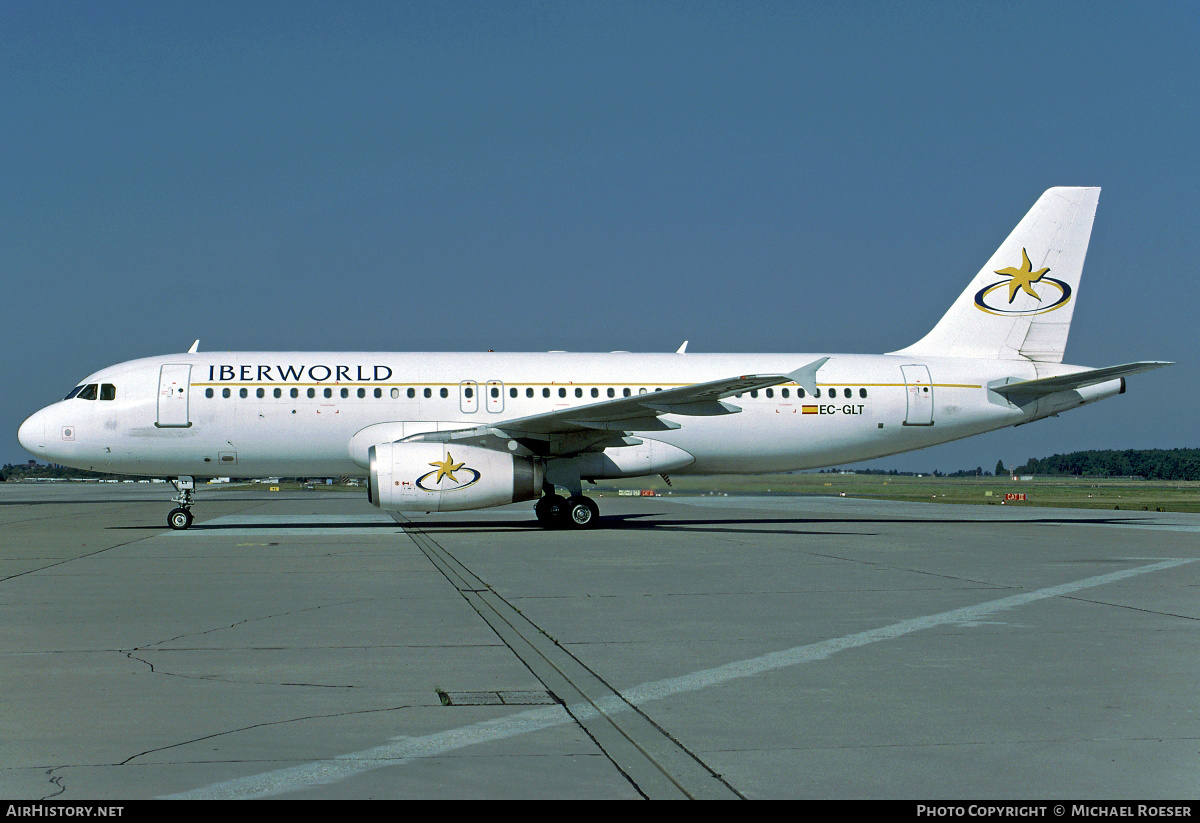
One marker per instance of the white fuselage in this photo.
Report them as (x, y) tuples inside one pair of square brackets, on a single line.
[(266, 414)]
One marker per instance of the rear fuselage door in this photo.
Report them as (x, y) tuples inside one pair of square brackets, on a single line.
[(919, 389), (174, 383)]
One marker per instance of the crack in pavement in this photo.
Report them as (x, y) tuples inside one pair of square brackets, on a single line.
[(264, 724)]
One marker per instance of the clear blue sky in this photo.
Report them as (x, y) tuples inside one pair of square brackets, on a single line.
[(591, 176)]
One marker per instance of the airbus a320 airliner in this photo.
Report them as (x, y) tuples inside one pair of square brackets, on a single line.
[(456, 431)]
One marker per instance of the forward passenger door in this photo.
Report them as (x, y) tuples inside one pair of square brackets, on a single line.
[(174, 385)]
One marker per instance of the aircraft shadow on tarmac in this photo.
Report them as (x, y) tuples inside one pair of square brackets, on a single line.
[(747, 525), (266, 525), (648, 521)]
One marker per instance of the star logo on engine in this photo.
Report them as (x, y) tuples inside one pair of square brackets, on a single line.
[(447, 468)]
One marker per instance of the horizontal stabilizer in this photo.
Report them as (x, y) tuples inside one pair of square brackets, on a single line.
[(1077, 380)]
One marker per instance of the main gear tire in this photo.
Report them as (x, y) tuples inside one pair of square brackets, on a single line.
[(582, 512), (551, 511)]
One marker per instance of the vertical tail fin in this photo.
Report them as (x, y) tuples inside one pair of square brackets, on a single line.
[(1020, 304)]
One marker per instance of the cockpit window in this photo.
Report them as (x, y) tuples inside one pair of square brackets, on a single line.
[(108, 391), (74, 392), (88, 393)]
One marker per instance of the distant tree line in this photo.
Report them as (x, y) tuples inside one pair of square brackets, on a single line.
[(887, 472), (1152, 464), (975, 472)]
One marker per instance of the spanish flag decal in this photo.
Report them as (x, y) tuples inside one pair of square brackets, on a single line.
[(810, 409)]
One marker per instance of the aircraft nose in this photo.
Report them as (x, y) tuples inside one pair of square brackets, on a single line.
[(32, 434)]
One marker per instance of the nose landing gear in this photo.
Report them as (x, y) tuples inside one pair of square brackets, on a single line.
[(181, 516)]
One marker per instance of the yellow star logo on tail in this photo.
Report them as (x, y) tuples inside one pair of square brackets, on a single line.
[(447, 468), (1022, 278)]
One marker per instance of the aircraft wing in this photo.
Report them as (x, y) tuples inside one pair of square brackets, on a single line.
[(580, 427), (1077, 380)]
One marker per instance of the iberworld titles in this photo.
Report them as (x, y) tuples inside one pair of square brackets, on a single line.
[(300, 374)]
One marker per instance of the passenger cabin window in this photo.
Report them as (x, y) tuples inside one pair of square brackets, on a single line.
[(562, 392), (295, 392), (444, 392), (312, 392), (242, 393), (529, 392), (847, 393), (209, 392), (429, 392), (261, 392), (862, 392), (545, 392), (579, 392)]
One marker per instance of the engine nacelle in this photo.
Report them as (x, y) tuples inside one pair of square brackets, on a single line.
[(446, 477)]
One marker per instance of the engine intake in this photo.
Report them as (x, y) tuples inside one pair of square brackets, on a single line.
[(445, 477)]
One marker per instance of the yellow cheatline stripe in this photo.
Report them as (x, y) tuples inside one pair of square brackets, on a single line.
[(452, 385), (846, 383)]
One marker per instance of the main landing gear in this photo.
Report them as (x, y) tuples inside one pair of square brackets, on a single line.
[(181, 517), (575, 512)]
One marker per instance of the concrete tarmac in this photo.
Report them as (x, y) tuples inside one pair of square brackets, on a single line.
[(307, 645)]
